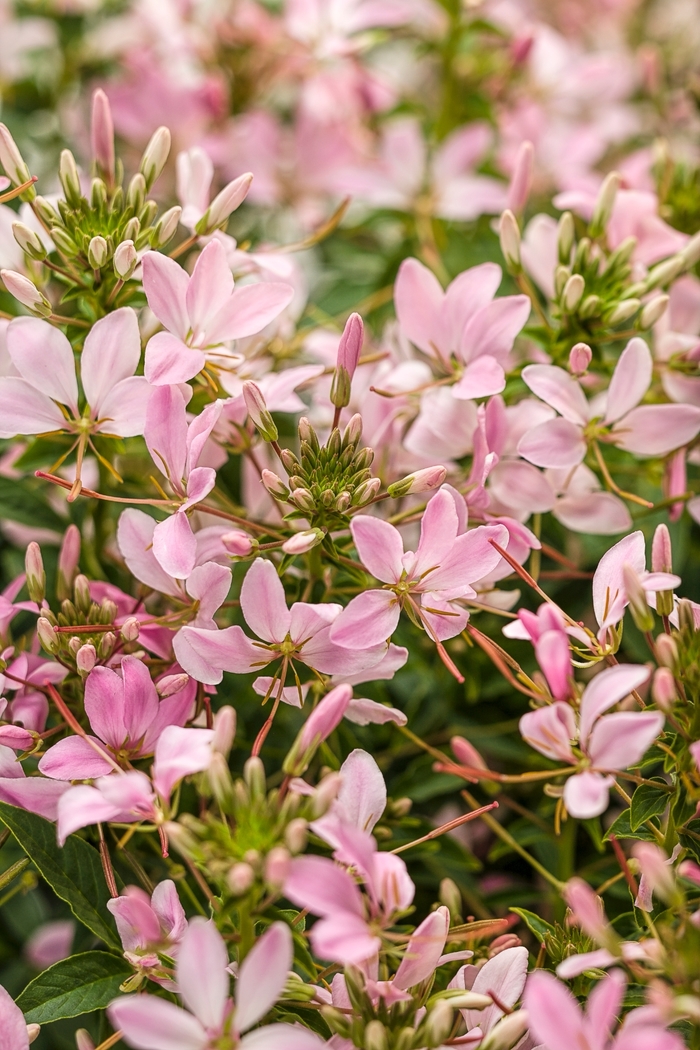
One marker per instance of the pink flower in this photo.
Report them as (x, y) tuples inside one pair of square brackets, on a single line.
[(127, 716), (201, 313), (35, 794), (609, 593), (301, 633), (50, 943), (504, 975), (441, 570), (547, 630), (558, 1023), (150, 1023), (12, 1023), (464, 331), (149, 925)]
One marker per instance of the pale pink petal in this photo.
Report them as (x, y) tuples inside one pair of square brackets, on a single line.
[(344, 938), (209, 289), (466, 295), (556, 443), (620, 740), (605, 690), (111, 353), (209, 584), (105, 705), (306, 620), (521, 487), (362, 795), (199, 484), (324, 718), (262, 975), (555, 1017), (35, 794), (329, 658), (630, 380), (438, 532), (207, 654), (137, 923), (558, 389), (198, 433), (140, 698), (201, 973), (379, 546), (419, 301), (554, 657), (369, 712), (165, 432), (575, 965), (505, 976), (481, 378), (600, 513), (466, 197), (493, 329), (81, 806), (442, 619), (168, 360), (165, 284), (369, 617), (174, 545), (587, 794), (123, 410), (25, 410), (604, 1002), (13, 1028), (180, 753), (43, 356), (550, 731), (250, 309), (656, 430), (135, 540), (74, 759), (472, 556), (291, 1037), (321, 886), (424, 949), (607, 579), (149, 1023), (166, 904), (263, 602)]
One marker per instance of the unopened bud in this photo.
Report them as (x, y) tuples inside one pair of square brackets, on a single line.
[(74, 644), (353, 431), (274, 485), (224, 730), (438, 1023), (691, 253), (561, 276), (604, 204), (258, 411), (686, 615), (663, 688), (661, 551), (97, 252), (307, 433), (590, 307), (296, 835), (155, 155), (420, 481), (664, 272), (219, 779), (254, 775), (83, 1040), (573, 292), (125, 260), (238, 543), (451, 897), (13, 163), (667, 651), (375, 1037), (653, 311), (622, 254), (26, 293), (521, 180), (81, 592), (639, 607), (503, 943), (106, 645), (102, 134), (70, 179), (565, 237), (32, 1032), (509, 233), (136, 193), (303, 541), (326, 793), (68, 562), (166, 227), (47, 636), (303, 499), (276, 869), (230, 198), (129, 630), (507, 1032), (29, 241), (625, 309), (63, 241), (45, 212), (240, 878), (85, 659), (580, 358), (366, 492), (34, 569), (171, 684), (349, 351)]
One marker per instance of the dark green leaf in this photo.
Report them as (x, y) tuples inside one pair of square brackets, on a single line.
[(19, 501), (534, 923), (648, 801), (73, 986), (74, 872), (622, 830)]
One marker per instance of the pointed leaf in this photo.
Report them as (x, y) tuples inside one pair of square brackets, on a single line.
[(73, 986)]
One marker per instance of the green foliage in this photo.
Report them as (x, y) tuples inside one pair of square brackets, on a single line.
[(74, 986)]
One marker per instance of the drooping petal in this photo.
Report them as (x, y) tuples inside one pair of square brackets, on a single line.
[(263, 602), (199, 484), (140, 698), (168, 360), (620, 740), (558, 389), (25, 410), (291, 1037), (250, 309), (369, 712), (555, 443), (165, 432), (605, 690), (135, 540), (43, 356), (600, 513), (505, 976), (424, 949), (174, 545), (554, 657), (74, 759), (379, 546), (111, 353), (81, 806), (575, 965), (555, 1018), (35, 794), (180, 753), (608, 589), (123, 409), (202, 975), (370, 616), (656, 430), (198, 433), (587, 794), (149, 1023), (262, 975), (165, 284), (207, 654), (630, 380)]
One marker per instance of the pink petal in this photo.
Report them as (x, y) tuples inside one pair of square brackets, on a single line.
[(344, 938), (326, 717), (199, 484), (438, 532), (329, 658), (465, 296), (165, 284), (249, 310), (575, 965), (505, 975), (554, 657), (291, 1037), (307, 620), (555, 1017), (198, 433), (419, 301), (174, 545), (369, 617), (262, 975), (165, 432), (600, 513), (74, 759), (111, 353), (263, 602), (607, 579), (180, 753), (201, 973), (605, 690), (105, 706), (123, 410), (135, 540), (481, 378), (493, 329), (81, 806), (467, 197), (210, 287), (321, 886), (150, 1023), (424, 949), (558, 389), (369, 712), (13, 1027), (620, 740), (521, 487), (137, 923), (630, 380), (442, 619), (166, 904), (43, 356), (550, 731), (362, 795), (207, 654), (471, 557), (24, 410), (34, 794), (656, 430), (379, 546), (556, 443), (587, 794), (209, 584), (168, 360), (604, 1002), (140, 698)]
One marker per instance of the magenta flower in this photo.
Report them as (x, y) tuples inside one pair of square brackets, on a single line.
[(149, 925), (127, 717), (201, 313), (549, 633), (301, 633), (464, 331), (212, 1019), (35, 794), (441, 570)]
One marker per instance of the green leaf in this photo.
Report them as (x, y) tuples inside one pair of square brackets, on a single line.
[(648, 801), (73, 986), (621, 829), (73, 872), (534, 923), (21, 502)]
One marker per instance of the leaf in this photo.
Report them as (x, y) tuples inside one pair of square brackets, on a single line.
[(74, 986), (73, 872), (21, 502), (648, 801), (534, 923), (621, 829)]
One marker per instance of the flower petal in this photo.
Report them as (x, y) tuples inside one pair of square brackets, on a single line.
[(263, 602), (168, 360), (558, 389), (207, 654), (174, 545), (370, 616), (630, 380), (262, 975), (555, 443), (249, 310), (165, 284), (202, 975), (379, 546), (149, 1023), (43, 356), (111, 353), (587, 794), (25, 410)]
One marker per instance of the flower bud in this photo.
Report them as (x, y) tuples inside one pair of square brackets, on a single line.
[(366, 491), (29, 241), (639, 607), (130, 629), (438, 1023), (353, 431), (45, 211), (70, 179), (307, 433), (565, 237), (661, 551), (83, 1040), (26, 293), (171, 684), (274, 485), (240, 878), (238, 543), (664, 273), (573, 292), (97, 253), (258, 411), (509, 234), (276, 867), (663, 688), (125, 260), (106, 645), (36, 577), (507, 1032), (349, 351), (451, 897), (81, 593), (604, 204), (580, 358), (254, 776), (420, 481), (85, 659), (503, 943), (230, 198), (318, 727), (375, 1037), (68, 562), (166, 227), (32, 1032), (102, 135), (686, 615), (667, 651), (11, 158), (653, 311), (224, 730), (303, 541), (155, 155), (47, 636), (326, 793), (624, 309), (690, 254), (136, 192), (303, 499), (521, 179), (64, 243), (296, 835), (590, 307)]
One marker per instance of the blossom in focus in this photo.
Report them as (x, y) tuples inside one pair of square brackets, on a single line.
[(149, 925)]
